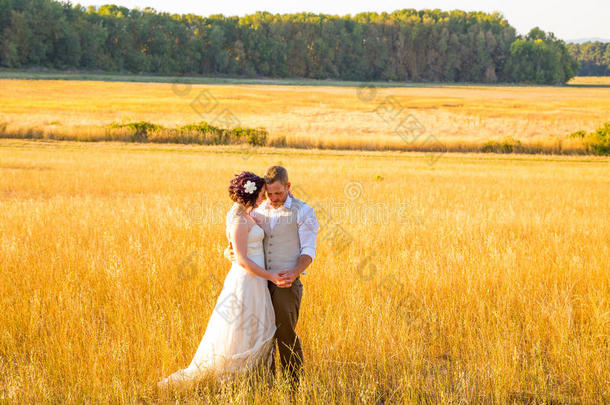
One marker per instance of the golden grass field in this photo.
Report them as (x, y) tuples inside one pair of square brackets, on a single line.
[(459, 117), (479, 279)]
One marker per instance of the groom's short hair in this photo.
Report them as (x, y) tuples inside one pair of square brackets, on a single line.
[(276, 173)]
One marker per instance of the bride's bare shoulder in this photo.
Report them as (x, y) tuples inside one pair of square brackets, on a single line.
[(238, 218)]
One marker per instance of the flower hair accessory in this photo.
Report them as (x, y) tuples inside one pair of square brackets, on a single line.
[(249, 187)]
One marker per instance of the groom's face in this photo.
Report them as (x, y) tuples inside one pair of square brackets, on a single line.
[(277, 193)]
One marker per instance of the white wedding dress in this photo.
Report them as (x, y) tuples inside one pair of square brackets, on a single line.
[(239, 334)]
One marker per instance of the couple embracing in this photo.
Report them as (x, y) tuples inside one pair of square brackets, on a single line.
[(272, 240)]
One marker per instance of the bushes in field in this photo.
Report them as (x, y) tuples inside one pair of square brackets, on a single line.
[(140, 129), (597, 141), (508, 145), (199, 133), (203, 133)]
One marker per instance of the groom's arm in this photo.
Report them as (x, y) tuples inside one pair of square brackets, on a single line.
[(303, 263), (289, 275), (308, 231)]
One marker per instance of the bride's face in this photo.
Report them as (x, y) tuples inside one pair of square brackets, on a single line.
[(261, 196)]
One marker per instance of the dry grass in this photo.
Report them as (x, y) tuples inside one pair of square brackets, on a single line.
[(481, 278), (462, 118), (590, 80)]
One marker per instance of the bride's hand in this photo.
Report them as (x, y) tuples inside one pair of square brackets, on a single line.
[(278, 280)]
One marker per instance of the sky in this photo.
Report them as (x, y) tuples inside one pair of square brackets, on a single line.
[(567, 20)]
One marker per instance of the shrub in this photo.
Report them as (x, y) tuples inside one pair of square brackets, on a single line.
[(140, 130), (203, 133), (218, 136), (508, 145), (598, 141), (254, 136)]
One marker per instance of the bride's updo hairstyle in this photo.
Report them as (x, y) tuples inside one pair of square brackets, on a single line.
[(240, 186)]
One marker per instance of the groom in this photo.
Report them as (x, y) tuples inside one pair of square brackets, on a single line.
[(291, 229)]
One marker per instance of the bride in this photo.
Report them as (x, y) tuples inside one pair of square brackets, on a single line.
[(239, 334)]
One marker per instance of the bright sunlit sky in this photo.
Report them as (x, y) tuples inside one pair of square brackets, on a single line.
[(568, 20)]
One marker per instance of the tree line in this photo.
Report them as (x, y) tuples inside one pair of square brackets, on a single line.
[(405, 45), (594, 58)]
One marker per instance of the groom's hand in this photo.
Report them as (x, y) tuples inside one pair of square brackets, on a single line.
[(279, 281), (289, 275), (228, 253)]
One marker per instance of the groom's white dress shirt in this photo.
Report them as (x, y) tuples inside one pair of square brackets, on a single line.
[(307, 224)]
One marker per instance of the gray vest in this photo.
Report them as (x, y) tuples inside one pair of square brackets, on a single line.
[(282, 244)]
